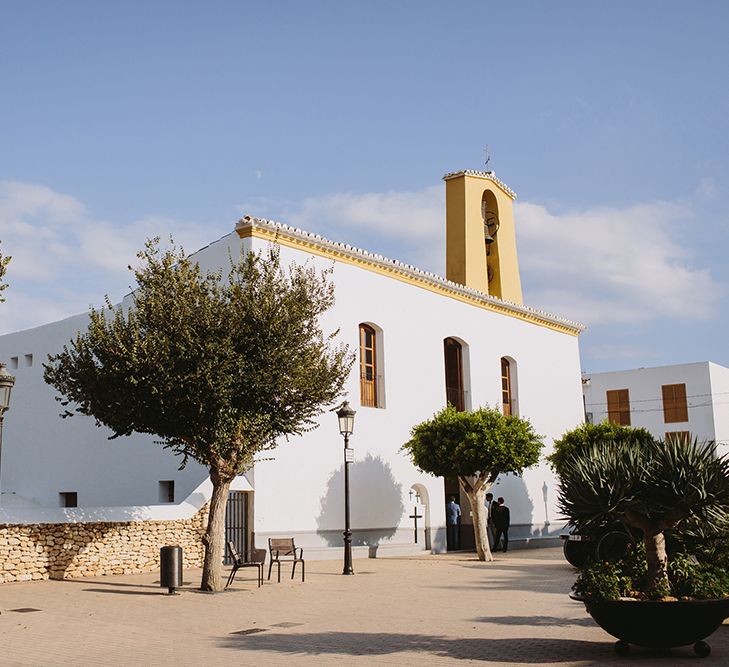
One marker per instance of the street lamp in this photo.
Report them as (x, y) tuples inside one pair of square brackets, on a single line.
[(6, 385), (345, 414)]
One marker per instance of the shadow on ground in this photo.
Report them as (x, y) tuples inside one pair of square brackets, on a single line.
[(108, 590), (547, 578), (86, 582), (534, 621), (512, 651)]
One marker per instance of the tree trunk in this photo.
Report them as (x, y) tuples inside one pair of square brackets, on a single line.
[(214, 537), (476, 494), (655, 555)]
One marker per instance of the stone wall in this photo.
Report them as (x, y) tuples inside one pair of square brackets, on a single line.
[(68, 550)]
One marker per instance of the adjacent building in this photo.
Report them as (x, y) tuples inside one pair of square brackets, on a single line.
[(683, 399)]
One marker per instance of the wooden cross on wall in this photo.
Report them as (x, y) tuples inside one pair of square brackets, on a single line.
[(415, 516)]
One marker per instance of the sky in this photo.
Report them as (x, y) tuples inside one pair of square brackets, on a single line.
[(123, 121)]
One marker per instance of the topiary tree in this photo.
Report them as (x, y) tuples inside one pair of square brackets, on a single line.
[(585, 436), (653, 487), (476, 447), (217, 369), (4, 261)]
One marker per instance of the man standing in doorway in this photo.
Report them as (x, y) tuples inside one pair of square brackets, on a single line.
[(502, 519), (453, 515), (489, 520)]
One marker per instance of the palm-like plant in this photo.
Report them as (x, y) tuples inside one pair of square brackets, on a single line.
[(652, 486)]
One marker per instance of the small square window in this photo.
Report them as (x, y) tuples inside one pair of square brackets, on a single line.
[(13, 363), (167, 491), (68, 498), (28, 359)]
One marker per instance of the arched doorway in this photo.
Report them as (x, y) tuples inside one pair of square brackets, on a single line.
[(419, 513)]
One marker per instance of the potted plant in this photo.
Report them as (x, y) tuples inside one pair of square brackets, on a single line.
[(610, 540), (656, 488)]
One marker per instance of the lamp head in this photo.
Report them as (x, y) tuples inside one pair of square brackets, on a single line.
[(6, 385), (345, 414)]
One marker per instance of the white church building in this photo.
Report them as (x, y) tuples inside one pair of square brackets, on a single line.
[(420, 339)]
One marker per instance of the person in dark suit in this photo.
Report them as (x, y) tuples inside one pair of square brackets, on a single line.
[(501, 518), (490, 504)]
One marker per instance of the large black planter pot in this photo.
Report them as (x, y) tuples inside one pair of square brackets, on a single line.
[(658, 624)]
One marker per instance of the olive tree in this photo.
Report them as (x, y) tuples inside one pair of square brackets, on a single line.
[(652, 486), (476, 447), (4, 261), (219, 368)]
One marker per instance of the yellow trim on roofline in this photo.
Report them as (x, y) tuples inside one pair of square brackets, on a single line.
[(290, 237)]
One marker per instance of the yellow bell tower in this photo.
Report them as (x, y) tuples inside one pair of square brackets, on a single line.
[(480, 235)]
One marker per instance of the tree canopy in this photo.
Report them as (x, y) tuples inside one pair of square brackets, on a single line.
[(470, 444), (476, 447), (217, 367), (585, 436)]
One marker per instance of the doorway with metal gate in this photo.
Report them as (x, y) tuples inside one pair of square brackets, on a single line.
[(236, 522)]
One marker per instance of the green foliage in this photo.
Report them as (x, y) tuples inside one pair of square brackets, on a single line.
[(687, 577), (585, 436), (4, 261), (656, 485), (462, 444), (634, 566), (702, 581), (602, 580), (715, 551), (217, 367)]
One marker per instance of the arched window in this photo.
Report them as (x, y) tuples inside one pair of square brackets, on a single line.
[(368, 366), (453, 354), (508, 386)]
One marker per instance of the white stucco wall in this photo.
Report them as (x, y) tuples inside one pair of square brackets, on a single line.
[(414, 322), (300, 490), (44, 455), (720, 405)]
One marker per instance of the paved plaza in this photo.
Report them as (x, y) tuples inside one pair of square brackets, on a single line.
[(434, 610)]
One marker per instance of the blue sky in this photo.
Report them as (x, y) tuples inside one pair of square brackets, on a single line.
[(120, 121)]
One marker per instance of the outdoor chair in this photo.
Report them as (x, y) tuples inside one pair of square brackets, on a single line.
[(253, 558), (284, 549)]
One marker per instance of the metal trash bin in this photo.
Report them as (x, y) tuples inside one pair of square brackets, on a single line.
[(170, 568)]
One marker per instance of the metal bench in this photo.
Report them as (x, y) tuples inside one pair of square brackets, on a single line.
[(253, 558), (284, 550)]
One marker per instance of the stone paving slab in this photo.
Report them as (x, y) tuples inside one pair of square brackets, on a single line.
[(442, 610)]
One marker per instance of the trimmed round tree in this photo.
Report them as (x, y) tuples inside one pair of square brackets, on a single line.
[(652, 486), (218, 368), (476, 447), (585, 436)]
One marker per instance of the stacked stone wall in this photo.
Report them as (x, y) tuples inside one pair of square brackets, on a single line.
[(69, 550)]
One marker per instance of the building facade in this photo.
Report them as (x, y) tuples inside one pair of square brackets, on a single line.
[(420, 340), (683, 399)]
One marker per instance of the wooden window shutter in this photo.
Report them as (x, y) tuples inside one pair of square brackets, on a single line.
[(618, 401), (455, 394), (367, 366), (675, 407), (506, 386)]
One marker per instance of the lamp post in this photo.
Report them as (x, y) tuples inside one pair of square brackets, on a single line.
[(6, 385), (345, 414)]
